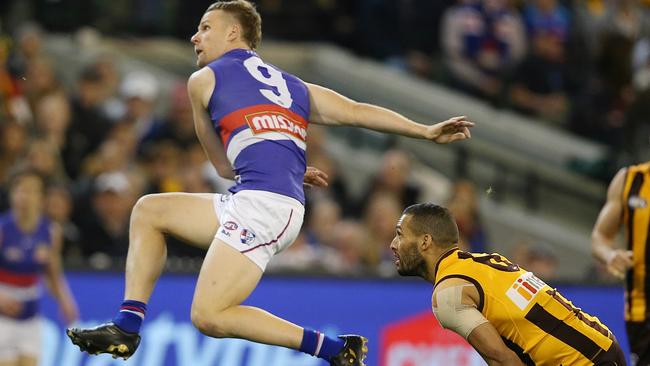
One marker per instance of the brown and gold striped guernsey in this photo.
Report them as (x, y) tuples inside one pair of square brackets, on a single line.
[(636, 217), (533, 319)]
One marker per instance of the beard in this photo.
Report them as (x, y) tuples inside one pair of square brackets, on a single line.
[(411, 263)]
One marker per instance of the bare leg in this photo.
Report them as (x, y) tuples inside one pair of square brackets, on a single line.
[(9, 363), (27, 361), (227, 278), (190, 217)]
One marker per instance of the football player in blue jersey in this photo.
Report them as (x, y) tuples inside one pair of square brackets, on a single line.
[(30, 248), (254, 132)]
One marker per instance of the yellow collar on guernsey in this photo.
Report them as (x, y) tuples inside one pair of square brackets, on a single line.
[(445, 260)]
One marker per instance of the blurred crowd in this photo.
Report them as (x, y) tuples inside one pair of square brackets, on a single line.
[(104, 141), (99, 144), (583, 65)]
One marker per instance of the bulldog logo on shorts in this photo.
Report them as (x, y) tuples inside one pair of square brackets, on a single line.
[(247, 237)]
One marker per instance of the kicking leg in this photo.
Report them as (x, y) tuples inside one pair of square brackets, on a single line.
[(187, 216), (190, 217)]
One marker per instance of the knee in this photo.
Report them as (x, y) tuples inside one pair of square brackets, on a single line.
[(147, 208), (210, 323)]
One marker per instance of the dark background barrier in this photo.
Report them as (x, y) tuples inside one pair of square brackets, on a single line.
[(394, 314)]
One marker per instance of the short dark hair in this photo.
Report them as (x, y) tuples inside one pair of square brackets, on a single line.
[(25, 171), (246, 15), (435, 220)]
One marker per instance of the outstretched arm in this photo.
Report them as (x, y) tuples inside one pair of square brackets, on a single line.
[(199, 87), (603, 236), (331, 108)]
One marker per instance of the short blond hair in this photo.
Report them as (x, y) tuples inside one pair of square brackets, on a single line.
[(247, 16)]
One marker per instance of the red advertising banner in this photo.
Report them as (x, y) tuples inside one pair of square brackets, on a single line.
[(421, 341)]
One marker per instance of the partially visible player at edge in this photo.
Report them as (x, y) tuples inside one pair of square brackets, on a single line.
[(506, 313), (30, 248), (260, 115), (627, 205)]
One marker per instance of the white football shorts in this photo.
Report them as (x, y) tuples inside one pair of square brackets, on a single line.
[(258, 224), (19, 338)]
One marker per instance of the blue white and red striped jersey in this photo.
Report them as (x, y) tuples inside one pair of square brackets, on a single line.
[(23, 257), (261, 115)]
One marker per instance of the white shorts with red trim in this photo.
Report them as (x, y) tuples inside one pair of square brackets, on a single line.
[(259, 224), (19, 338)]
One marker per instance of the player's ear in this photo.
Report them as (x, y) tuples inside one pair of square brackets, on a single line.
[(426, 242), (234, 32)]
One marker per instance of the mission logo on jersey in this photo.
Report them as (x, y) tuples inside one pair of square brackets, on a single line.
[(273, 121)]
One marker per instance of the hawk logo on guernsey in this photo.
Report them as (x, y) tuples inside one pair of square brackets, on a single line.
[(524, 289), (272, 121)]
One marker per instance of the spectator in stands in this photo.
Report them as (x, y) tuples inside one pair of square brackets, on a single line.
[(39, 80), (350, 242), (379, 219), (195, 158), (140, 91), (393, 180), (104, 230), (194, 180), (53, 116), (603, 115), (179, 124), (542, 82), (336, 188), (623, 26), (483, 41), (547, 17), (13, 104), (58, 208), (164, 167), (13, 145), (323, 218), (89, 126), (464, 206), (407, 43), (45, 158), (116, 153), (588, 18), (537, 258), (29, 47), (637, 128), (106, 67)]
